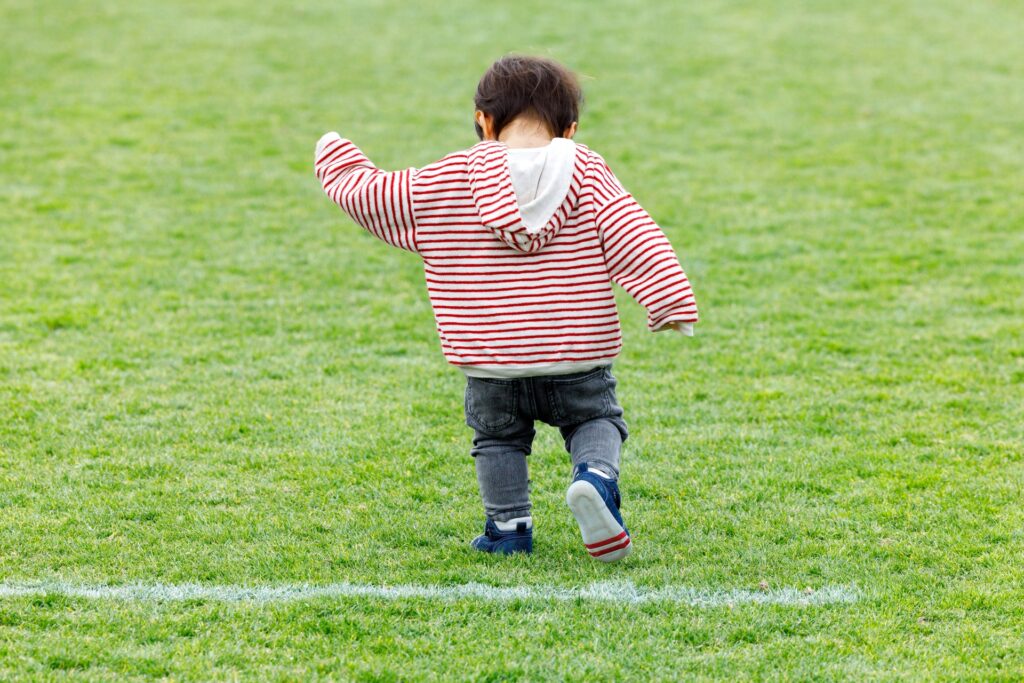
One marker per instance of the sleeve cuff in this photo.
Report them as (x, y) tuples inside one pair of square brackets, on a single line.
[(324, 140)]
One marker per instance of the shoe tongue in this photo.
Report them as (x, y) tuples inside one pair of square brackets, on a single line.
[(518, 524), (598, 470)]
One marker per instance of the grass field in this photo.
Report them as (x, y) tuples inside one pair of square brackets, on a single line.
[(210, 376)]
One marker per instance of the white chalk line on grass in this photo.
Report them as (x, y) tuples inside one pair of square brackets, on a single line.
[(607, 591)]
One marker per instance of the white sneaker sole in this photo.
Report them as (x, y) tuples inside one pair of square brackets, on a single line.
[(604, 538)]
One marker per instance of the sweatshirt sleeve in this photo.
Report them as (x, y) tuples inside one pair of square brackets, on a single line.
[(641, 260), (379, 201)]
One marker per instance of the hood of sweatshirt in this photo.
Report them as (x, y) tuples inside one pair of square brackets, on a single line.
[(525, 195)]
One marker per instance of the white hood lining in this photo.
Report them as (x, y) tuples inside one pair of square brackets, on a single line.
[(541, 177)]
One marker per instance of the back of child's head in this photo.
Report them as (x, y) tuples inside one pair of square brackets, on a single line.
[(534, 87)]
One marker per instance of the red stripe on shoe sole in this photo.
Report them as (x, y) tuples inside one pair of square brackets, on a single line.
[(605, 551), (606, 541)]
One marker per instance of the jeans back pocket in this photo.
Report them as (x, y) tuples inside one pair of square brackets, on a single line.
[(584, 397), (491, 404)]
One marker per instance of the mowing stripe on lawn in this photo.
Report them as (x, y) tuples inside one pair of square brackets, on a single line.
[(611, 591)]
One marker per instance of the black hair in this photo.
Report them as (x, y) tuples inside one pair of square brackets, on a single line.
[(539, 87)]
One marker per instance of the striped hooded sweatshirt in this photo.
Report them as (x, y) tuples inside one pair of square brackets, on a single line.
[(519, 248)]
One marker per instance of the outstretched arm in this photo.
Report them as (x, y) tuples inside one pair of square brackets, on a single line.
[(641, 260), (380, 202)]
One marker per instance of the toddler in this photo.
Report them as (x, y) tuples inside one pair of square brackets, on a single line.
[(521, 236)]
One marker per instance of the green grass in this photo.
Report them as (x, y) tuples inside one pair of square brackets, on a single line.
[(208, 374)]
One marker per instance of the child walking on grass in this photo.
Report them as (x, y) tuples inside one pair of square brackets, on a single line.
[(521, 236)]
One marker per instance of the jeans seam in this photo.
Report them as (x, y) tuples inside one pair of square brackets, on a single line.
[(578, 380)]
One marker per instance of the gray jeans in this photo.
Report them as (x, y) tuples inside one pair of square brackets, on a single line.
[(502, 412)]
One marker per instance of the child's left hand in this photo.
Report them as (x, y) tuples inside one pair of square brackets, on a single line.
[(677, 326)]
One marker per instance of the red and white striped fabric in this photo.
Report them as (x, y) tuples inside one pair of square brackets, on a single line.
[(609, 545), (506, 299)]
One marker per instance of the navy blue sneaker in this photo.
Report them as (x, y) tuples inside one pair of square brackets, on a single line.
[(594, 501), (494, 540)]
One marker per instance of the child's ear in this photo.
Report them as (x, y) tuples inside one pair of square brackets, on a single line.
[(570, 131), (484, 125)]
